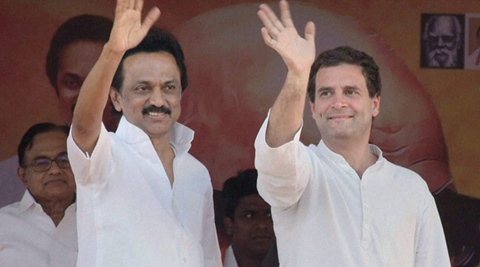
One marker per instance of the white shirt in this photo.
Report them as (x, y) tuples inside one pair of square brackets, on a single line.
[(230, 260), (28, 236), (471, 60), (325, 215), (129, 214)]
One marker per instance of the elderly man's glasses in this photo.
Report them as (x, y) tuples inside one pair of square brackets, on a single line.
[(43, 164)]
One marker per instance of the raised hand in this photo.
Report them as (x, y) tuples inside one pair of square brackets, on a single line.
[(128, 29), (298, 53)]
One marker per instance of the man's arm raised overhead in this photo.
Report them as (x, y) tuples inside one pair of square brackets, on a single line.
[(127, 32), (298, 55)]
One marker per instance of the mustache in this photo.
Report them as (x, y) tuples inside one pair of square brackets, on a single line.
[(162, 109)]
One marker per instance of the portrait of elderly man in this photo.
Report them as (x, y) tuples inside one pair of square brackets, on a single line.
[(442, 41)]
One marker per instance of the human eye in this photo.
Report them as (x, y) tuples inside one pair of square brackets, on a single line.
[(72, 83), (324, 93), (63, 161), (248, 215), (141, 88), (41, 163), (170, 87)]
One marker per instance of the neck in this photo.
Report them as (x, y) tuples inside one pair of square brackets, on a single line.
[(248, 261), (55, 208), (166, 154), (357, 154)]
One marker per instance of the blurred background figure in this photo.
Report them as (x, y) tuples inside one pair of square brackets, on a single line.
[(40, 230), (248, 222), (74, 49)]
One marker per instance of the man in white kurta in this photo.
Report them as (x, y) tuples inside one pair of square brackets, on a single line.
[(40, 229), (325, 215), (339, 203), (28, 236), (130, 215), (143, 200)]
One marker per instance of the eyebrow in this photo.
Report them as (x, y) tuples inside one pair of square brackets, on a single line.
[(43, 156)]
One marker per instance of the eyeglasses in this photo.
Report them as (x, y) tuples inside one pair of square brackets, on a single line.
[(44, 164)]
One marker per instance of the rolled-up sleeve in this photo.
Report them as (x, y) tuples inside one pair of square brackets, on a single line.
[(283, 172), (87, 168)]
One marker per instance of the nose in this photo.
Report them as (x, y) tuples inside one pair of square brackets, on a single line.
[(440, 41), (157, 98), (54, 168), (263, 222), (338, 101)]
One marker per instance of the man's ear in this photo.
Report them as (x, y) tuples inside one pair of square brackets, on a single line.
[(228, 223), (312, 108), (21, 176), (116, 98), (375, 106)]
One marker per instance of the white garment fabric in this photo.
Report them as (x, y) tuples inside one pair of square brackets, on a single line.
[(28, 236), (128, 212), (471, 61), (11, 188), (230, 260), (325, 215)]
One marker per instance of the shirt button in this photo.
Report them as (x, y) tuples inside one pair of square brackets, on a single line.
[(366, 226)]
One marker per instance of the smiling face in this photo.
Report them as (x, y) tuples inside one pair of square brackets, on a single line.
[(342, 108), (151, 92), (56, 182), (252, 228), (75, 62)]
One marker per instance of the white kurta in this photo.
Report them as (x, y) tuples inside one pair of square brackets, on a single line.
[(130, 215), (325, 215), (28, 236)]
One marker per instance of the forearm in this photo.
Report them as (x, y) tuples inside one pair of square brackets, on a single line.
[(93, 96), (287, 112)]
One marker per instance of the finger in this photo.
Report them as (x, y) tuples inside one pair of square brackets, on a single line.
[(265, 20), (121, 6), (270, 15), (269, 41), (285, 14), (151, 18), (267, 23), (310, 32), (131, 4), (139, 5)]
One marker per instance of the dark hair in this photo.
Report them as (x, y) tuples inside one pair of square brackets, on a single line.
[(27, 140), (80, 28), (346, 55), (157, 40), (237, 187)]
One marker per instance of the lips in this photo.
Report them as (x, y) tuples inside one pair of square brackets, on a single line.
[(339, 117), (55, 181), (262, 237)]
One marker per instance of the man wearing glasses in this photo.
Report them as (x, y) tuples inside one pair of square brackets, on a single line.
[(40, 230)]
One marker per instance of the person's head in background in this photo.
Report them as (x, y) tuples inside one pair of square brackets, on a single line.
[(247, 219), (443, 41), (74, 49), (45, 169)]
